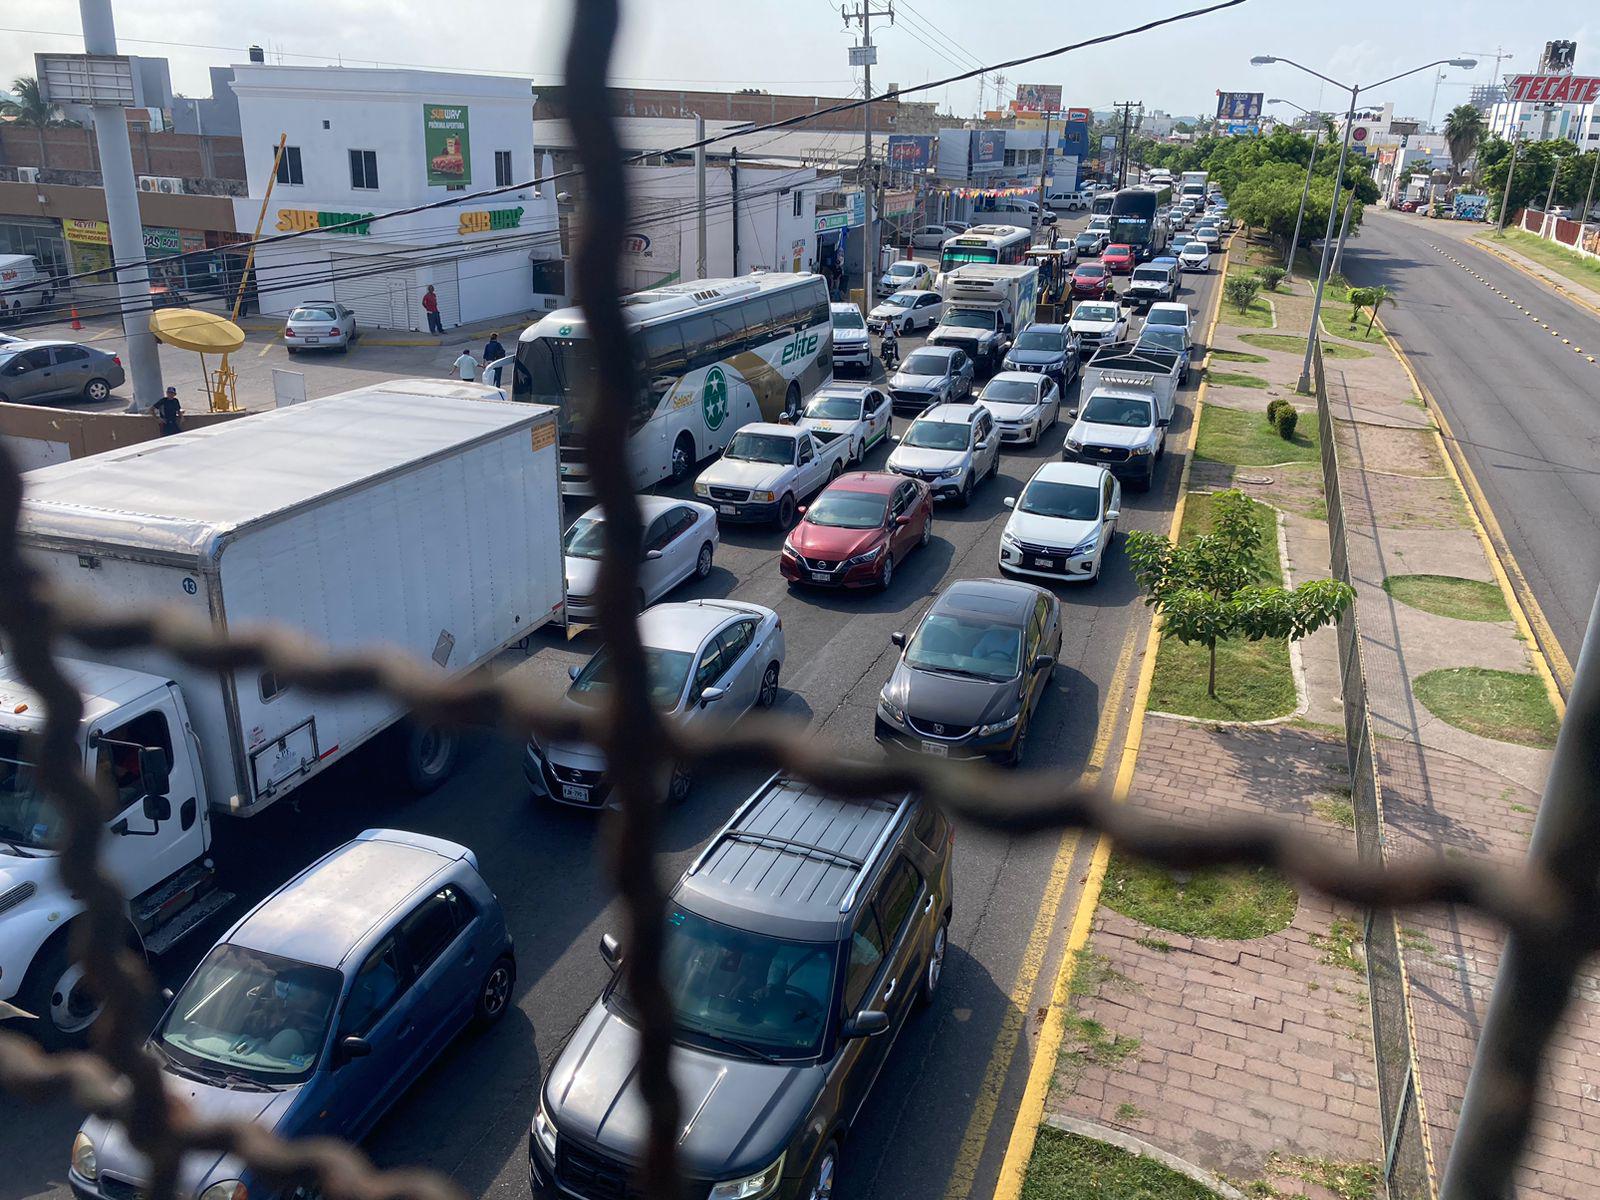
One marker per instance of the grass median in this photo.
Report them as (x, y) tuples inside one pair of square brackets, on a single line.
[(1254, 679), (1246, 439), (1066, 1166), (1290, 343), (1505, 706), (1259, 315), (1225, 903), (1549, 254), (1449, 596)]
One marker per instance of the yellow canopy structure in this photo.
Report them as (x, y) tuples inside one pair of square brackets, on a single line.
[(192, 329)]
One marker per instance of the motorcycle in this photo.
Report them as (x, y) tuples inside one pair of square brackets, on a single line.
[(889, 350)]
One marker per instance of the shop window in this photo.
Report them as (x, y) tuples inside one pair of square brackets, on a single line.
[(502, 169), (289, 165), (364, 170)]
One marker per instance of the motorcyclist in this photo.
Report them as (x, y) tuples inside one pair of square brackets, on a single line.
[(889, 348)]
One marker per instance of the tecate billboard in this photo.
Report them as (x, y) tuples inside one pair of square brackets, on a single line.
[(1239, 106), (1554, 89)]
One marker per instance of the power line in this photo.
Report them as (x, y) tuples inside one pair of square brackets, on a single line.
[(726, 135)]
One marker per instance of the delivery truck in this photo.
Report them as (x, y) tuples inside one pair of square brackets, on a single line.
[(985, 306), (417, 516)]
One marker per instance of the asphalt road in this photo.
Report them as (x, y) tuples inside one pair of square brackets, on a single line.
[(468, 1115), (1524, 408)]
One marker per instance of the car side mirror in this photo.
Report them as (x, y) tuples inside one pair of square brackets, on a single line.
[(354, 1047), (1113, 514), (902, 521), (610, 950), (1009, 501), (1043, 662), (154, 777), (712, 694), (800, 510), (167, 995), (574, 672), (866, 1023), (1163, 422), (783, 419), (652, 555), (898, 638)]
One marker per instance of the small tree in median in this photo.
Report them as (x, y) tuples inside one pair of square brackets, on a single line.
[(1271, 277), (1241, 291), (1209, 588)]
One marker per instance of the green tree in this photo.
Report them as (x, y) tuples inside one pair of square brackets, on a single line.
[(1463, 130), (1536, 163), (30, 107), (1209, 588), (1241, 291)]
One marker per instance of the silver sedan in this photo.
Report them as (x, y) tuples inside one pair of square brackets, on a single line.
[(319, 325)]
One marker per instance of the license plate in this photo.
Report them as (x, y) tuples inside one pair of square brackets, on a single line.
[(937, 749), (311, 341), (820, 576), (571, 791), (727, 508), (1045, 564)]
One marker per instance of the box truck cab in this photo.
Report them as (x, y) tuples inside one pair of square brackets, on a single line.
[(23, 285), (985, 306), (419, 515)]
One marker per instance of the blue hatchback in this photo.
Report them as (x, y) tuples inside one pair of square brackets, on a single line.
[(313, 1013)]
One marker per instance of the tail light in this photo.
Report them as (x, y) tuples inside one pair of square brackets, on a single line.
[(287, 332), (117, 358)]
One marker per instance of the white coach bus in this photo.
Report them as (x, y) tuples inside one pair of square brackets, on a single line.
[(714, 355)]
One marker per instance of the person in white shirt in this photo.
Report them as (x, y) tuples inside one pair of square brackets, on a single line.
[(467, 366)]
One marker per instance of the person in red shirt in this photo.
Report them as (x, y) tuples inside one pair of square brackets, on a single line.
[(430, 305)]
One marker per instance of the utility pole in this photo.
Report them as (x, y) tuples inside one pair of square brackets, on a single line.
[(700, 197), (865, 55), (1044, 160), (1549, 197), (1516, 145), (1294, 242), (122, 214), (1588, 200), (1344, 231)]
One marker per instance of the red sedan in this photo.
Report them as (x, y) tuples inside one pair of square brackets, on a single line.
[(1091, 281), (858, 531), (1119, 258)]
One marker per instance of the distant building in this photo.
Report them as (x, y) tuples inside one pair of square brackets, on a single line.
[(214, 114), (1544, 122)]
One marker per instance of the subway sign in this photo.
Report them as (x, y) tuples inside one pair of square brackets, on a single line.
[(303, 220), (490, 219)]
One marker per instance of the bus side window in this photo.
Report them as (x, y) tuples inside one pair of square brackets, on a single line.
[(664, 364), (729, 335), (699, 341), (760, 320)]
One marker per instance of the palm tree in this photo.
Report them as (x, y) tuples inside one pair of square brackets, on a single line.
[(31, 108), (1463, 131)]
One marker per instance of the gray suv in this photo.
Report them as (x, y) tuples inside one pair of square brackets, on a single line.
[(797, 944)]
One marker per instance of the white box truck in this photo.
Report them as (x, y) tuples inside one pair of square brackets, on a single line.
[(1192, 185), (985, 306), (417, 515)]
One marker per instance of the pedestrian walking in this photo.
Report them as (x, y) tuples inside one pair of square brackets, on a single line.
[(466, 366), (167, 410), (430, 305), (493, 351)]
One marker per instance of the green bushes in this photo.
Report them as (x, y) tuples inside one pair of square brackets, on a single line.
[(1271, 277), (1283, 417), (1241, 291)]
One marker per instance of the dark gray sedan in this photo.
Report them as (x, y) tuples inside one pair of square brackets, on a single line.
[(34, 372), (972, 673)]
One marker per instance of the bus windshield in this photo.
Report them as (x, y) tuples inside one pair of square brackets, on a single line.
[(559, 370), (957, 255)]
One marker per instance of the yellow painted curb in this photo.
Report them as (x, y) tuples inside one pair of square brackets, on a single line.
[(1548, 658), (1559, 289), (1030, 1112)]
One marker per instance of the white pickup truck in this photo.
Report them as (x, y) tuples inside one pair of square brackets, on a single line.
[(768, 471)]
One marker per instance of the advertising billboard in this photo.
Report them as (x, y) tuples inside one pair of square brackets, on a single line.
[(1554, 89), (988, 147), (1239, 106), (1079, 114), (1038, 97), (446, 144), (910, 152)]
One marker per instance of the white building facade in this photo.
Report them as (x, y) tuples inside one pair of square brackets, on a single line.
[(364, 143), (1541, 121)]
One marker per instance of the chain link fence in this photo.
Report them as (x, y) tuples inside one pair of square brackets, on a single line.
[(116, 1079)]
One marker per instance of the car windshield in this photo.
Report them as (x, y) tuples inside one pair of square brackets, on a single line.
[(848, 510), (1118, 410), (27, 818), (1167, 316), (1195, 249), (252, 1015), (730, 989), (926, 364), (1068, 501), (1092, 270), (1038, 339), (665, 674), (1153, 274), (585, 539), (834, 408), (760, 447), (1096, 312), (936, 435), (946, 642), (968, 318), (1011, 391), (1119, 249), (848, 319), (1085, 239), (313, 314), (903, 268), (901, 300), (1163, 339)]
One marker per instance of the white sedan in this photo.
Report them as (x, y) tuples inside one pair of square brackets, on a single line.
[(931, 237), (840, 410), (1062, 525), (910, 310), (680, 543), (905, 273), (1195, 256), (1024, 404)]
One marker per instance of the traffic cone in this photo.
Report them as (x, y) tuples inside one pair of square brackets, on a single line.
[(76, 324)]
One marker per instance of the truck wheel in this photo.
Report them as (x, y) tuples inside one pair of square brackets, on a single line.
[(966, 492), (682, 457), (786, 508), (54, 992), (429, 756), (791, 402)]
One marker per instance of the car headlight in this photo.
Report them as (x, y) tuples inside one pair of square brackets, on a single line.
[(1007, 540), (763, 497), (998, 726), (751, 1187), (869, 556), (788, 548), (1138, 451), (1087, 546), (951, 472), (544, 1129), (83, 1159), (1074, 445), (226, 1189), (701, 489), (891, 710)]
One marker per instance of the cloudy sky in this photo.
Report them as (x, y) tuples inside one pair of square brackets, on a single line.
[(800, 45)]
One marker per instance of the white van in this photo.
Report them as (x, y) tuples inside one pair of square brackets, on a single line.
[(22, 284), (1073, 201), (1011, 210)]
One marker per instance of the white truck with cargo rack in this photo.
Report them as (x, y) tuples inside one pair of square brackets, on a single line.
[(418, 515), (985, 306), (1126, 401)]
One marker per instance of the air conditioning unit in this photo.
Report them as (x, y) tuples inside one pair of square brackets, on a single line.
[(27, 174), (169, 185)]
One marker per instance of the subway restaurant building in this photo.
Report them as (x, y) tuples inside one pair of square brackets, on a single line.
[(362, 144)]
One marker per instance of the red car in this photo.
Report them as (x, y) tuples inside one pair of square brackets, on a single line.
[(1410, 205), (1119, 258), (858, 531), (1091, 281)]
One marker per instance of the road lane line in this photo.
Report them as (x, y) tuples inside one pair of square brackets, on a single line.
[(1030, 1112), (264, 350)]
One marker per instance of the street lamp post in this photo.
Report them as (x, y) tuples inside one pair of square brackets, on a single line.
[(1305, 192), (1505, 199), (1355, 91)]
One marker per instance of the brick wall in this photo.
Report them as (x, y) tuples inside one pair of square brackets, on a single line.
[(209, 164), (728, 106)]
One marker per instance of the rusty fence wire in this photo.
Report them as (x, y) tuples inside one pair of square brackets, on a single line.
[(114, 1078), (1407, 1155)]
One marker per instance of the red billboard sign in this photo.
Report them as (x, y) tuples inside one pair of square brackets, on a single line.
[(1554, 89), (1080, 114)]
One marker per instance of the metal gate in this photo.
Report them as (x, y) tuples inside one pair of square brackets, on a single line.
[(386, 293)]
